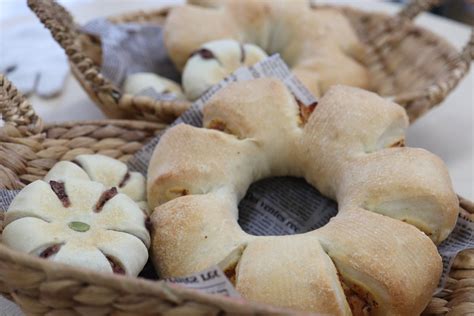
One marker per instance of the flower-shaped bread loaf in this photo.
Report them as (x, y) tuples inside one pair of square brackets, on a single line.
[(70, 219), (106, 170), (319, 44), (374, 256)]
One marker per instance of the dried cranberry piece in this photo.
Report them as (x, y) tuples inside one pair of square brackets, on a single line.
[(48, 252), (204, 53), (104, 198), (60, 190), (116, 267), (77, 163), (242, 53), (125, 178), (148, 223)]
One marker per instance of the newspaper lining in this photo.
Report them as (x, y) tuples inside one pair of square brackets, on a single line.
[(129, 48), (212, 281), (270, 67), (6, 198), (461, 238), (275, 206)]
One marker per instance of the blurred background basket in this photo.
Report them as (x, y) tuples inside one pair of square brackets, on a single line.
[(407, 62), (28, 149)]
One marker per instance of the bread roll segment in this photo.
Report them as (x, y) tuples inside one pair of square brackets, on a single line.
[(394, 266), (291, 271), (269, 119), (347, 123), (194, 232), (209, 163), (409, 184), (383, 265)]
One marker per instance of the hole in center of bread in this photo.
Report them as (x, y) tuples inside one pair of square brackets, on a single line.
[(284, 206)]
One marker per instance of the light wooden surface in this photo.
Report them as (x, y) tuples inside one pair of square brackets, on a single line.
[(447, 131)]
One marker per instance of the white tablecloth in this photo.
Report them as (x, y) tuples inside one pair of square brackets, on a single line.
[(447, 131)]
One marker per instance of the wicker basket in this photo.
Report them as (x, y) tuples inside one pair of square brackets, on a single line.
[(29, 149), (418, 81)]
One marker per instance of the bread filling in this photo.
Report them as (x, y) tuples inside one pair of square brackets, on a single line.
[(204, 53), (230, 273), (60, 190), (360, 301), (305, 111), (50, 251), (400, 143), (174, 193), (117, 268), (124, 180), (229, 264), (220, 125), (392, 137), (104, 198)]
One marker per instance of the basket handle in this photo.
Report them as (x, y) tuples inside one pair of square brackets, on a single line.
[(434, 94), (415, 7), (64, 30), (17, 111)]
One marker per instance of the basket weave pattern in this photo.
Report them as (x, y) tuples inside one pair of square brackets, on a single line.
[(28, 150), (408, 62), (84, 65)]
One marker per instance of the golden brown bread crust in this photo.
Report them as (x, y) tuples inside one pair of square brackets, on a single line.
[(318, 42), (347, 123), (277, 269), (416, 188), (204, 242), (381, 255), (345, 151)]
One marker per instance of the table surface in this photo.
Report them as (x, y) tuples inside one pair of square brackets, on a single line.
[(447, 130)]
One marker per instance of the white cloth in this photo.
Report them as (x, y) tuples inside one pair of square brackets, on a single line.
[(32, 60)]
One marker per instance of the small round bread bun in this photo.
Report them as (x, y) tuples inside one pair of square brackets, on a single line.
[(140, 81), (215, 60)]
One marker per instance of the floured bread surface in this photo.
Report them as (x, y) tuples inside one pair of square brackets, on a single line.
[(377, 256), (70, 219), (214, 61), (319, 45), (106, 170), (139, 82)]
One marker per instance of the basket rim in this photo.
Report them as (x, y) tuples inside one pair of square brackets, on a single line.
[(55, 271), (172, 292), (135, 16)]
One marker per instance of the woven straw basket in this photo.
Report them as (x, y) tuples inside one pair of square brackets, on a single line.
[(28, 149), (416, 67)]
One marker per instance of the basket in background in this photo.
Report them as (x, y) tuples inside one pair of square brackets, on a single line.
[(407, 62)]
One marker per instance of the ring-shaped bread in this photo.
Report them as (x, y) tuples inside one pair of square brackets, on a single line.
[(373, 256), (319, 45)]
